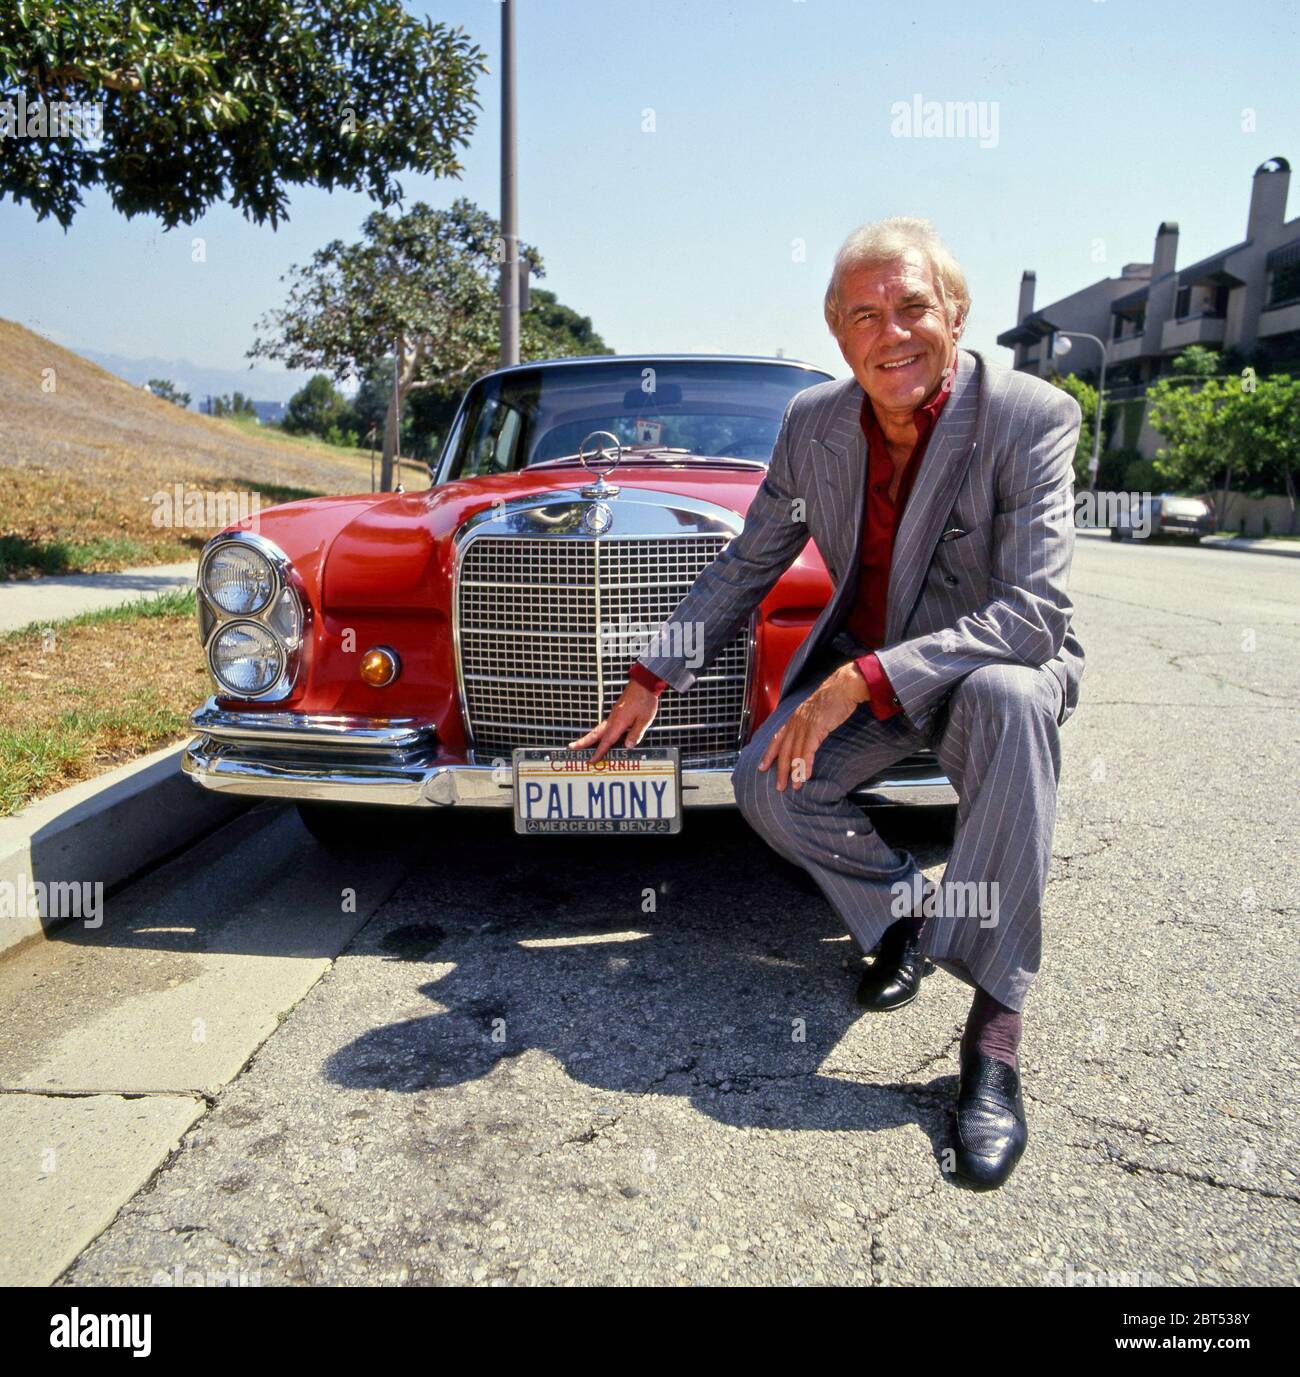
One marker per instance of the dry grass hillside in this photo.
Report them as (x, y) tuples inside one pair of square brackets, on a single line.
[(83, 455)]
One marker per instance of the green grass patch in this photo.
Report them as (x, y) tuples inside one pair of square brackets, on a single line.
[(106, 687), (32, 758), (249, 425), (22, 557)]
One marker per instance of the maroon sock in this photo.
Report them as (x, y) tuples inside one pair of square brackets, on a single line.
[(992, 1028)]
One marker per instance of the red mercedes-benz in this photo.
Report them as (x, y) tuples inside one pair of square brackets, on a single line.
[(439, 648)]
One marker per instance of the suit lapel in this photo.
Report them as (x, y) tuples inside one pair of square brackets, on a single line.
[(944, 465), (843, 483)]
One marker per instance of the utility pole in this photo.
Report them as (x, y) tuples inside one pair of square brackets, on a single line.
[(509, 193)]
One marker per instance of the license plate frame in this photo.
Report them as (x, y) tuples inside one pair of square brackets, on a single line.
[(647, 765)]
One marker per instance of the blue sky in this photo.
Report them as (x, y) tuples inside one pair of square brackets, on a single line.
[(772, 125)]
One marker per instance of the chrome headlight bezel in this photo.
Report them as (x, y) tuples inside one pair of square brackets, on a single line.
[(247, 549), (276, 644), (284, 615)]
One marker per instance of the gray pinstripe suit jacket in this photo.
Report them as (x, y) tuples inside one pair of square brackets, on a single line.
[(998, 467)]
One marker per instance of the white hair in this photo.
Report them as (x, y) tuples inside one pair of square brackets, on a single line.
[(886, 241)]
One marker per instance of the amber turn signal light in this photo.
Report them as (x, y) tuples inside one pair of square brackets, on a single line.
[(380, 666)]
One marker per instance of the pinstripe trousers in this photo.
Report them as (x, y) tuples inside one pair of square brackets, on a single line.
[(997, 741)]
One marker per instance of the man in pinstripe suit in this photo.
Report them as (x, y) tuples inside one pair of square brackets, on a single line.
[(938, 488)]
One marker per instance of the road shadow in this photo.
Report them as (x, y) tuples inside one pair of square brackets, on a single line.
[(696, 966)]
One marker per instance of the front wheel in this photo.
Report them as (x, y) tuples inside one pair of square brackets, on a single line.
[(344, 827)]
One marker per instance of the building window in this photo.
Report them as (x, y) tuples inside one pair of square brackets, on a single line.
[(1284, 284), (1183, 303)]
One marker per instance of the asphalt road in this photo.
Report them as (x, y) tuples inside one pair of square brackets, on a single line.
[(544, 1061)]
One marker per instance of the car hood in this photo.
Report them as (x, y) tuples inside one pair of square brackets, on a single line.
[(393, 546)]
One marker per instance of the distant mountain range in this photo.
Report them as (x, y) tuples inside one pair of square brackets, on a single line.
[(200, 380)]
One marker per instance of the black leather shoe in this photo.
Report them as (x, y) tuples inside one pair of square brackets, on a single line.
[(894, 978), (990, 1130)]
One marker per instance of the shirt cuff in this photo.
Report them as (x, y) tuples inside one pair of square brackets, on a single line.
[(884, 702), (646, 678)]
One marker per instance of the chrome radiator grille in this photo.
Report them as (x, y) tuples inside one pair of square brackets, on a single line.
[(540, 659)]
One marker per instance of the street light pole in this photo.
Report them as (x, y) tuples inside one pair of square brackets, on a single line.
[(509, 194), (1095, 462)]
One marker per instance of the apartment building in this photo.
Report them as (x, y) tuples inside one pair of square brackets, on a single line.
[(1244, 299)]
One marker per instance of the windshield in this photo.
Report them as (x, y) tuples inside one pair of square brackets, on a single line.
[(659, 410)]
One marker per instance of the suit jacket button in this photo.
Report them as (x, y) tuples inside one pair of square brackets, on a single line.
[(951, 580)]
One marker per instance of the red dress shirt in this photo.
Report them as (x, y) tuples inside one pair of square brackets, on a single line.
[(866, 620)]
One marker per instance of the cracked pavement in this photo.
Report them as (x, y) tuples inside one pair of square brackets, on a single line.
[(547, 1060)]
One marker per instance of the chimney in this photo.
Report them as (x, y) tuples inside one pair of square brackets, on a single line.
[(1028, 280), (1165, 253), (1268, 196)]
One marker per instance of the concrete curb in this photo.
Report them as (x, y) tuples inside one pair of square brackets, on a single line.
[(1261, 545), (99, 832)]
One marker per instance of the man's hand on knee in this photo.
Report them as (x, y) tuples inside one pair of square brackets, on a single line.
[(794, 746)]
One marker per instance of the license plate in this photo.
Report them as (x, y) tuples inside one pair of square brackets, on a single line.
[(633, 789)]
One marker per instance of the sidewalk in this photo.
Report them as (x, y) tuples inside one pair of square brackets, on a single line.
[(66, 595)]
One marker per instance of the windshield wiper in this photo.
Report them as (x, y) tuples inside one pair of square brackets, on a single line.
[(664, 454)]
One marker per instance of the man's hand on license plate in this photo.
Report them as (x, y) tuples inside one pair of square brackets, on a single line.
[(630, 717)]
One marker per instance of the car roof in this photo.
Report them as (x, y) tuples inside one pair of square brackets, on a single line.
[(655, 358)]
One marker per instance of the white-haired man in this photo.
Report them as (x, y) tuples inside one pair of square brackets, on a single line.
[(937, 488)]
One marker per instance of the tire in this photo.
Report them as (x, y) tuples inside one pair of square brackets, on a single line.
[(349, 827)]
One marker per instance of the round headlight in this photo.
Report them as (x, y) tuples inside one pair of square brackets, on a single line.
[(246, 659), (239, 579)]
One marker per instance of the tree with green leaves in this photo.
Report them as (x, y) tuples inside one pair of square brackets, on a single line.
[(190, 102), (420, 290), (1192, 458), (420, 287), (549, 330), (1086, 395), (1196, 361), (1247, 429), (232, 405), (168, 391), (1262, 421), (317, 408)]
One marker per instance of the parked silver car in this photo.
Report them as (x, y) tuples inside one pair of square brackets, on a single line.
[(1164, 514)]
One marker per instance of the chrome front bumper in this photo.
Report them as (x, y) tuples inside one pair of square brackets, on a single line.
[(397, 762)]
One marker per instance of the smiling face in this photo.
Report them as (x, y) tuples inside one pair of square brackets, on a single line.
[(894, 332)]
